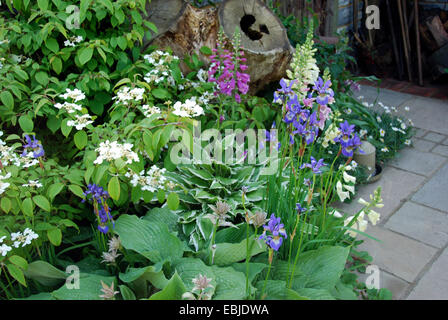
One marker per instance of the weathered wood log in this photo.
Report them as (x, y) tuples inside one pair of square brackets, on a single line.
[(185, 29), (437, 30)]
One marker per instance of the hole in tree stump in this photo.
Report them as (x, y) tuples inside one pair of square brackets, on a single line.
[(246, 22)]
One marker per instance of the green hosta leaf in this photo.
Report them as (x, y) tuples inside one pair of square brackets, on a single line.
[(16, 273), (205, 175), (7, 99), (127, 293), (231, 284), (89, 288), (151, 274), (173, 201), (26, 124), (163, 215), (84, 55), (254, 269), (42, 202), (114, 188), (277, 290), (343, 292), (151, 239), (173, 290), (318, 269), (190, 268), (80, 139), (55, 236), (228, 253), (38, 296), (19, 261), (315, 294)]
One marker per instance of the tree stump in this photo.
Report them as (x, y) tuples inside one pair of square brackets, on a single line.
[(185, 29)]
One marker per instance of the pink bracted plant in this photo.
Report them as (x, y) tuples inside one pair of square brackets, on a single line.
[(227, 68)]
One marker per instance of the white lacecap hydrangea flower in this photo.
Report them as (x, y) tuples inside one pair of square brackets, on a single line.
[(33, 184), (109, 151), (148, 110), (4, 185), (23, 239), (152, 181), (75, 94), (68, 106), (4, 249), (81, 121), (126, 94), (190, 108)]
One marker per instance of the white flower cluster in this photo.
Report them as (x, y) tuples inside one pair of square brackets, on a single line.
[(7, 154), (149, 111), (126, 94), (19, 239), (80, 122), (304, 69), (73, 41), (4, 185), (110, 151), (75, 94), (4, 249), (152, 181), (23, 239), (330, 134), (344, 190), (188, 109), (33, 184), (361, 224), (159, 61), (68, 106)]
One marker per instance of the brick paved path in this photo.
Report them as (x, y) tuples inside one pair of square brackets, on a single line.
[(413, 253)]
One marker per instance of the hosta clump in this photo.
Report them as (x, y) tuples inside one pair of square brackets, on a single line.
[(207, 184)]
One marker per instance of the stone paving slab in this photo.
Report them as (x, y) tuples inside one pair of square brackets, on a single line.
[(422, 145), (387, 97), (434, 284), (397, 286), (396, 186), (434, 137), (416, 161), (420, 133), (445, 143), (397, 254), (421, 223), (429, 114), (442, 150), (435, 192)]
